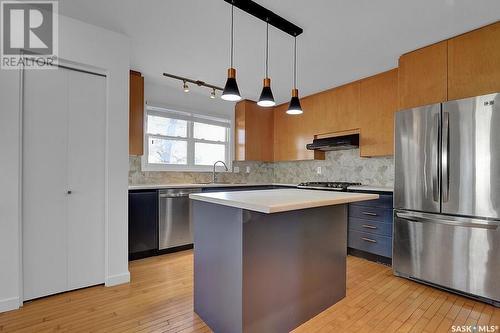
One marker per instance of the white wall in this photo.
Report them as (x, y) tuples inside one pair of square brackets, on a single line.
[(91, 46)]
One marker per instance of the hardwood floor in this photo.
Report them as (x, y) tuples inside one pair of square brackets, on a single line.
[(159, 299)]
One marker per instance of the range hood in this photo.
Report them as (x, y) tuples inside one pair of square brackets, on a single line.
[(342, 142)]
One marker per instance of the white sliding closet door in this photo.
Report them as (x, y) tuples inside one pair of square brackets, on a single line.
[(86, 168), (63, 181), (44, 182)]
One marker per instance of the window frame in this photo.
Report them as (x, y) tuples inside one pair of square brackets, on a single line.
[(191, 118)]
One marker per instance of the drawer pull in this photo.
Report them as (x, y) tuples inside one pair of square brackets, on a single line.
[(369, 214), (368, 240), (369, 226)]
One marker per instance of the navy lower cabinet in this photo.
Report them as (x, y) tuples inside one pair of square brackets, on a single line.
[(142, 223), (370, 229)]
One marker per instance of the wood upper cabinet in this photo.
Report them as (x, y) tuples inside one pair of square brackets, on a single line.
[(423, 76), (293, 132), (337, 109), (254, 132), (333, 110), (136, 113), (474, 63), (378, 103)]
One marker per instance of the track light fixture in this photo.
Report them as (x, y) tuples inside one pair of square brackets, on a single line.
[(294, 107), (199, 83), (231, 91), (266, 96)]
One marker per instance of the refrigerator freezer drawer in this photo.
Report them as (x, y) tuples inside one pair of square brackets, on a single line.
[(463, 258)]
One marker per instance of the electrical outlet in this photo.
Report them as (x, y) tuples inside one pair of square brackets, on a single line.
[(318, 170), (236, 169), (248, 169)]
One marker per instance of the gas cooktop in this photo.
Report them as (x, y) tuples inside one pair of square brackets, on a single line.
[(332, 186)]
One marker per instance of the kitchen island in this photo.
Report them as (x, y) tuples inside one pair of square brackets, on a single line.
[(267, 261)]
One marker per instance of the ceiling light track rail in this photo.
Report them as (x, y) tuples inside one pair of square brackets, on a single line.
[(266, 15), (197, 82)]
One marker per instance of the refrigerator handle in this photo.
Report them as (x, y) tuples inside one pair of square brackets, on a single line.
[(435, 154), (444, 156), (448, 220)]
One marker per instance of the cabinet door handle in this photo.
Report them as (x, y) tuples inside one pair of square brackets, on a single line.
[(369, 214), (369, 226), (368, 240)]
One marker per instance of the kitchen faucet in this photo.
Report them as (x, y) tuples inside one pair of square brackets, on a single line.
[(214, 174)]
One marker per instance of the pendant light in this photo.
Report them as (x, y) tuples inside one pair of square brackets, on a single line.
[(294, 107), (266, 97), (231, 91)]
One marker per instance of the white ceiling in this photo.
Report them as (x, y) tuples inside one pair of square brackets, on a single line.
[(342, 40)]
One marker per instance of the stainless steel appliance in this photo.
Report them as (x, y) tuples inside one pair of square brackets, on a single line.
[(174, 223), (332, 186), (447, 196)]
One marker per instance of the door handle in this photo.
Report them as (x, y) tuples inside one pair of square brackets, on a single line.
[(453, 221), (445, 166), (369, 226), (369, 213), (368, 240), (435, 156)]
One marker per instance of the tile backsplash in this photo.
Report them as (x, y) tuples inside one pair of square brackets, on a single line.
[(345, 165), (259, 173)]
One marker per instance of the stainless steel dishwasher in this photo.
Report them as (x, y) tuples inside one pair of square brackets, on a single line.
[(175, 225)]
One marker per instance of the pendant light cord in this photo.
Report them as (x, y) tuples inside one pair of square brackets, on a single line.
[(295, 63), (267, 49), (232, 28)]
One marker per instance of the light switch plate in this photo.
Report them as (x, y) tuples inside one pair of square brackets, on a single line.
[(236, 169), (248, 169), (318, 170)]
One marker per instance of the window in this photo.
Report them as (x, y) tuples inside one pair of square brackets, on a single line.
[(184, 141)]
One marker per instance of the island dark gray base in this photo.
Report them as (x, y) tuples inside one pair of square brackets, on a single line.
[(256, 272)]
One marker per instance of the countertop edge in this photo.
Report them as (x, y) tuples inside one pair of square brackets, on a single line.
[(269, 209), (166, 186)]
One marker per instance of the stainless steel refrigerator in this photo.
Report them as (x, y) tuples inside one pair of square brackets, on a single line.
[(447, 196)]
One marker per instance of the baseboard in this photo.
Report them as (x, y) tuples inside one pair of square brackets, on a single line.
[(9, 304), (114, 280)]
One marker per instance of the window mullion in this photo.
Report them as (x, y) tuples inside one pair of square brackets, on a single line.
[(190, 145)]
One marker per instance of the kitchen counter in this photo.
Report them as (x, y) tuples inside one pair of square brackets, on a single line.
[(370, 188), (287, 243), (281, 200), (202, 185)]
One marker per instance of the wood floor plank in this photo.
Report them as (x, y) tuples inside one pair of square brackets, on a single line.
[(160, 299)]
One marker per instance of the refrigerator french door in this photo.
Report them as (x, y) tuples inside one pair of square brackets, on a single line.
[(447, 196)]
